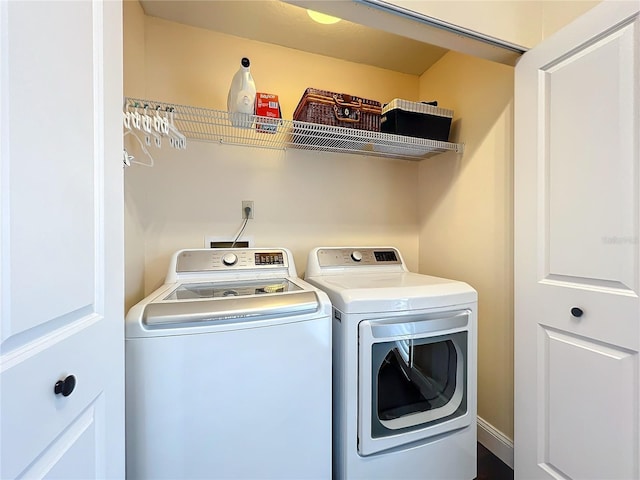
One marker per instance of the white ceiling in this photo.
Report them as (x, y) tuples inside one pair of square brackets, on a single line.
[(276, 22)]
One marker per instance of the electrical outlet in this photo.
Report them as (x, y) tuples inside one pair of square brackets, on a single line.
[(245, 204)]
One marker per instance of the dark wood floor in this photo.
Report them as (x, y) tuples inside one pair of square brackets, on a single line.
[(491, 467)]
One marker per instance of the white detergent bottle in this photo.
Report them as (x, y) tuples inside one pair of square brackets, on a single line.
[(242, 97)]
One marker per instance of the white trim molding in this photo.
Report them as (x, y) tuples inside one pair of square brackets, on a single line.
[(495, 441)]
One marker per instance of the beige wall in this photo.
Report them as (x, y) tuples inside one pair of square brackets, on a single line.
[(134, 85), (133, 19), (522, 22), (466, 206), (302, 199), (194, 66), (517, 22), (556, 14)]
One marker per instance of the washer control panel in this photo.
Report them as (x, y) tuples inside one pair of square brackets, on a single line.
[(343, 257), (207, 260)]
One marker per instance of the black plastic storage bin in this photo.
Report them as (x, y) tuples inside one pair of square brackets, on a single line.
[(414, 119)]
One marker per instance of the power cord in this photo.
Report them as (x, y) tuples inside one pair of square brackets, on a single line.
[(247, 212)]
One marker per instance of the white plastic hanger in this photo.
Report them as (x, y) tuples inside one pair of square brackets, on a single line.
[(127, 120), (176, 139), (154, 123)]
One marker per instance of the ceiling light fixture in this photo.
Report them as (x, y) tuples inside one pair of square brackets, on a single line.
[(322, 18)]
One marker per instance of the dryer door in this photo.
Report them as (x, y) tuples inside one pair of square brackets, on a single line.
[(412, 379)]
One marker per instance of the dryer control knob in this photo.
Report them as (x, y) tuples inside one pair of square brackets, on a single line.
[(356, 255), (230, 259)]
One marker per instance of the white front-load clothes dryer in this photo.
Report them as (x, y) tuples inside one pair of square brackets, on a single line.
[(404, 355), (228, 371)]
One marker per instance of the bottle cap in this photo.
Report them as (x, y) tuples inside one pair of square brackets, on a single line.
[(245, 62)]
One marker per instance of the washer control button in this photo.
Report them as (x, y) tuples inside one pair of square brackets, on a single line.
[(356, 256), (230, 259)]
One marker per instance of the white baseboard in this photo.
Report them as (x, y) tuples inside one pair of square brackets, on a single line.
[(495, 441)]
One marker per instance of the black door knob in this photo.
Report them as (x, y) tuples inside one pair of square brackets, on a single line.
[(65, 387), (576, 312)]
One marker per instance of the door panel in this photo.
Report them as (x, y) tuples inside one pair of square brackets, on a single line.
[(33, 417), (392, 378), (601, 445), (75, 453), (590, 190), (54, 180), (577, 211), (61, 234)]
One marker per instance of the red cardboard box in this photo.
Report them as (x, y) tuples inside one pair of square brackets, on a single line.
[(267, 105)]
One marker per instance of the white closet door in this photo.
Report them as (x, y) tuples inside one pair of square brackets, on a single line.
[(61, 239), (577, 256)]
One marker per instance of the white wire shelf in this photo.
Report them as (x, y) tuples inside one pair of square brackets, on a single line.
[(209, 125)]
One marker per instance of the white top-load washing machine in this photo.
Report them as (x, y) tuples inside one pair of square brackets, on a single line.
[(404, 348), (228, 371)]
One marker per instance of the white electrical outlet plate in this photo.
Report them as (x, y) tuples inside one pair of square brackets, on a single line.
[(245, 204)]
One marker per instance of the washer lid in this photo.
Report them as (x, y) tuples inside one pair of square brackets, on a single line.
[(385, 292), (172, 314), (196, 290)]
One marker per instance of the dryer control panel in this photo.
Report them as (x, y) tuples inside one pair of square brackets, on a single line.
[(344, 257)]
